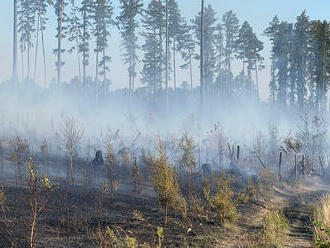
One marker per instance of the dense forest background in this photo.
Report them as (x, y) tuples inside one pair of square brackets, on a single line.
[(158, 43)]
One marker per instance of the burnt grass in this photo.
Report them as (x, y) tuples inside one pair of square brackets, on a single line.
[(73, 215)]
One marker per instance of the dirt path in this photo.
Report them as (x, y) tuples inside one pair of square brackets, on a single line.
[(296, 204), (299, 212)]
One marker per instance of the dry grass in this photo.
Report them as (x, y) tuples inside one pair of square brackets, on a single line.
[(275, 227), (138, 215), (2, 197), (321, 227)]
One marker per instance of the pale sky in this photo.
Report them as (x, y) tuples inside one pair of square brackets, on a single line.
[(257, 12)]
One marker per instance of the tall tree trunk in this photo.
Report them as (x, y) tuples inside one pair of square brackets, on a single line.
[(174, 65), (14, 76), (84, 48), (130, 72), (257, 80), (28, 61), (44, 56), (97, 57), (202, 59), (104, 66), (22, 61), (59, 43), (166, 56), (78, 58), (160, 53), (36, 51), (301, 82), (243, 73), (191, 75)]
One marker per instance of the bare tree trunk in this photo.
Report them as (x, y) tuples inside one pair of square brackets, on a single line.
[(34, 222), (36, 51), (130, 55), (104, 68), (174, 65), (202, 59), (44, 57), (167, 50), (71, 170), (78, 57), (28, 61), (257, 80), (84, 51), (14, 76), (22, 53), (97, 65), (191, 75), (59, 43)]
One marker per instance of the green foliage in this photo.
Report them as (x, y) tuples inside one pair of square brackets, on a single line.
[(165, 181), (187, 146), (223, 202), (160, 236), (153, 61), (209, 41), (128, 25), (131, 242)]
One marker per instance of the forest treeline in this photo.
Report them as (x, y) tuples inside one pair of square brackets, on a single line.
[(300, 53)]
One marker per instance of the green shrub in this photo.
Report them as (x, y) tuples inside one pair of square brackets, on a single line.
[(223, 202)]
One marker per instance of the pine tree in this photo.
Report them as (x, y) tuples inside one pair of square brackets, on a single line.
[(321, 62), (271, 32), (209, 43), (14, 75), (231, 28), (74, 33), (153, 61), (130, 9), (302, 38), (176, 25), (186, 46), (281, 51), (61, 19), (40, 8), (292, 57), (280, 34), (86, 23), (102, 17), (248, 49), (26, 28)]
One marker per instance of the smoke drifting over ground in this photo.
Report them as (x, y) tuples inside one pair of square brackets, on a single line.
[(37, 114)]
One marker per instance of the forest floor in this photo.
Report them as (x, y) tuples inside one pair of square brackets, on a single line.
[(297, 206), (73, 216)]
